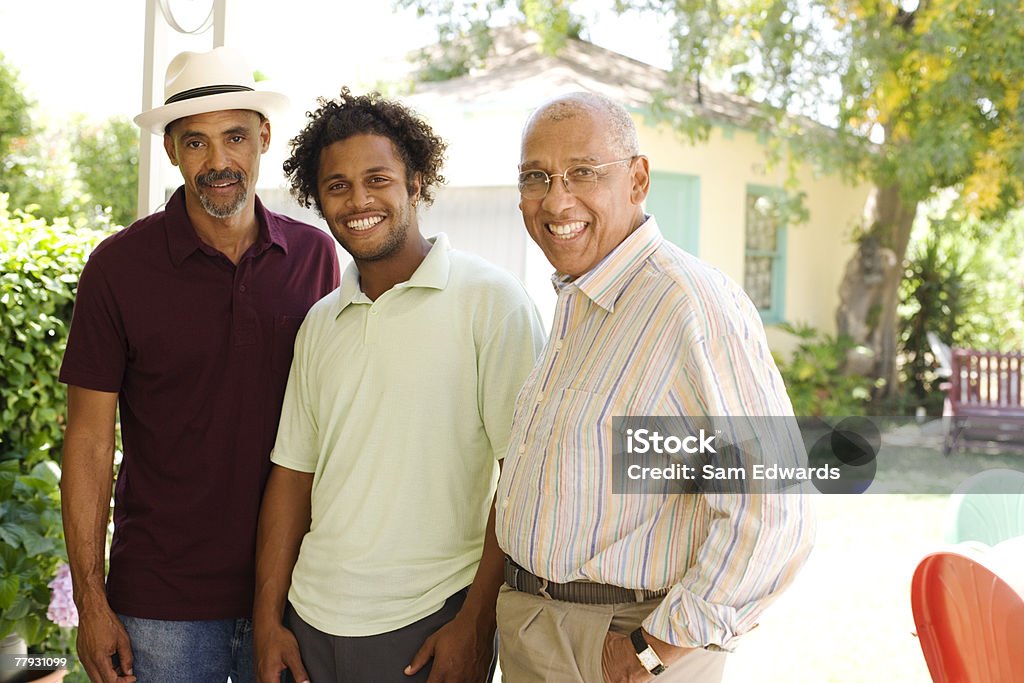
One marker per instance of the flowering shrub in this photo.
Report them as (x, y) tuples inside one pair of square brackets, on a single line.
[(62, 609), (39, 267)]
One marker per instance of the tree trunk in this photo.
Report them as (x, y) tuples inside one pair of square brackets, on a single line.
[(869, 292)]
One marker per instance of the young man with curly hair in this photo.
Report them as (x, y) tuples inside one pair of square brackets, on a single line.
[(376, 555)]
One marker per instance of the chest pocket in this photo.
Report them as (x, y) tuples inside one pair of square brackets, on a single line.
[(579, 445)]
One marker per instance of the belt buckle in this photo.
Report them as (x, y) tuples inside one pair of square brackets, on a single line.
[(515, 576)]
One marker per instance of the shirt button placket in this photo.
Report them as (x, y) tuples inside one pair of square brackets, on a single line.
[(243, 312), (372, 320)]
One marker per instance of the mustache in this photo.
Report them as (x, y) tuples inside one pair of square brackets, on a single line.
[(220, 176)]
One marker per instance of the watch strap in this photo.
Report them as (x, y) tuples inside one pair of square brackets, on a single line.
[(649, 659)]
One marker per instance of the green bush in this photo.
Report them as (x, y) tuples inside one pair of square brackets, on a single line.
[(40, 264), (963, 282), (814, 375), (935, 295)]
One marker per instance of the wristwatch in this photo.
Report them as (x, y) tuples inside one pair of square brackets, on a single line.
[(649, 659)]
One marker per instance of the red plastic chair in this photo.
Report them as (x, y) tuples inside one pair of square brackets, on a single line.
[(969, 612)]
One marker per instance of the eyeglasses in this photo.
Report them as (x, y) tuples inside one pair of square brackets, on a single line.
[(580, 180)]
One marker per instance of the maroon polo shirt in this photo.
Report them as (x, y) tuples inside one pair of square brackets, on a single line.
[(198, 350)]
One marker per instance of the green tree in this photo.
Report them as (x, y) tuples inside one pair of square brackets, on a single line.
[(39, 176), (14, 111), (15, 130), (464, 30), (35, 167), (918, 97), (106, 157), (65, 170)]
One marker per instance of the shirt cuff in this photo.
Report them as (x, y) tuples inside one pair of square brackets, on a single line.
[(684, 620)]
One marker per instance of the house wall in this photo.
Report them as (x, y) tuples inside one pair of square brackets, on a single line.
[(817, 251), (478, 206), (482, 166)]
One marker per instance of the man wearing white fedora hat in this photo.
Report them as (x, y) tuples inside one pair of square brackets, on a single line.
[(184, 321)]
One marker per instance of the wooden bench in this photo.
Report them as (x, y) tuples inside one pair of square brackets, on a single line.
[(984, 402)]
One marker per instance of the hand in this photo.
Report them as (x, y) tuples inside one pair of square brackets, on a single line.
[(276, 650), (619, 662), (101, 635), (461, 650)]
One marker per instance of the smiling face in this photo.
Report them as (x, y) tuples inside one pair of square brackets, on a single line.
[(575, 233), (365, 197), (218, 154)]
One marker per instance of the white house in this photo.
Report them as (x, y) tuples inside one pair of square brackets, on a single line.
[(715, 198)]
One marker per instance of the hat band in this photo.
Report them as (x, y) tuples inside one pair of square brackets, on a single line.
[(205, 91)]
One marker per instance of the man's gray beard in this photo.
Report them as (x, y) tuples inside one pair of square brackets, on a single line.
[(224, 210)]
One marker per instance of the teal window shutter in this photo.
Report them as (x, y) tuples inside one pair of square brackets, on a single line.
[(674, 200)]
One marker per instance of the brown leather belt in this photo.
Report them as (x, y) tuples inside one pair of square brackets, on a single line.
[(582, 592)]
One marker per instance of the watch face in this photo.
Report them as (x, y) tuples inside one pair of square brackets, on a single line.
[(649, 659), (188, 16)]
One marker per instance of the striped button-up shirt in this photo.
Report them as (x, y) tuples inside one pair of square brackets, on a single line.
[(650, 330)]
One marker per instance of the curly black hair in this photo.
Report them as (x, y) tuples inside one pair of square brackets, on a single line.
[(419, 147)]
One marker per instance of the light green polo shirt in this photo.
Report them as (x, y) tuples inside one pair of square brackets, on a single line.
[(401, 408)]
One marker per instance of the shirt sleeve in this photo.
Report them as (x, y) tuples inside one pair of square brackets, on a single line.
[(297, 444), (504, 362), (756, 542), (97, 347)]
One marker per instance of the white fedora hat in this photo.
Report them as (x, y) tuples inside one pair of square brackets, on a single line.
[(201, 82)]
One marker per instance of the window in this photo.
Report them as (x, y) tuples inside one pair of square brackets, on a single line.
[(765, 256)]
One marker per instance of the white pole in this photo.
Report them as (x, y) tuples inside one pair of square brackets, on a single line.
[(225, 23), (151, 190), (220, 12)]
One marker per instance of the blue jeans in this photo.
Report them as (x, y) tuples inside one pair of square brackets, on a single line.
[(191, 651)]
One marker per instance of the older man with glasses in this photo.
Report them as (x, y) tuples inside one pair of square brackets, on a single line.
[(602, 586)]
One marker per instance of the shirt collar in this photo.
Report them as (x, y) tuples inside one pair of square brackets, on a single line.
[(183, 241), (603, 284), (432, 273)]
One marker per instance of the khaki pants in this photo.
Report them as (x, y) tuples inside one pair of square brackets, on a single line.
[(550, 641)]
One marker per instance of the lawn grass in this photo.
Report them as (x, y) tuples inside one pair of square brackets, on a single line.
[(847, 617)]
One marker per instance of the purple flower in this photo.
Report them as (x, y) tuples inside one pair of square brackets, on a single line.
[(62, 609)]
